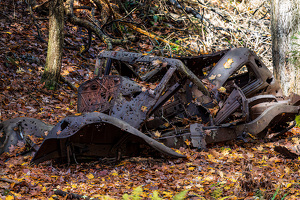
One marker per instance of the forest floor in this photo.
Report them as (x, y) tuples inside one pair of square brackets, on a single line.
[(231, 170)]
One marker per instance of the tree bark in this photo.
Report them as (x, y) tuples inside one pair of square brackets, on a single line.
[(55, 44), (285, 43)]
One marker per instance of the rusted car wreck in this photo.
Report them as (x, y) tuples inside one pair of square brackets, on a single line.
[(152, 100)]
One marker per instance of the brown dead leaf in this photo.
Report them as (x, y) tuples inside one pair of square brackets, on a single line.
[(156, 63), (58, 132)]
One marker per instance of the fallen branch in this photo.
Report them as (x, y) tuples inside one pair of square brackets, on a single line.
[(90, 26)]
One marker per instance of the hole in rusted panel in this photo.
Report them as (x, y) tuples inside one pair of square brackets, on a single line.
[(257, 62), (94, 87), (269, 80), (64, 125)]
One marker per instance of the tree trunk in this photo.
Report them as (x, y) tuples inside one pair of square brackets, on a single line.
[(55, 44), (285, 43)]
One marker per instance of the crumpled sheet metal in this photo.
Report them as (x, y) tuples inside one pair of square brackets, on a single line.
[(94, 135), (14, 130), (120, 97), (138, 57), (233, 60), (255, 86)]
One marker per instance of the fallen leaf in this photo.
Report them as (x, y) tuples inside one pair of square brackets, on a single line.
[(144, 108), (212, 77), (227, 64), (157, 134), (90, 176), (9, 197)]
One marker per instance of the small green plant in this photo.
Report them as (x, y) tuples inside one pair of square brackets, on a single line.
[(217, 193), (259, 194), (181, 195), (137, 194), (297, 119), (276, 192), (295, 54), (155, 196)]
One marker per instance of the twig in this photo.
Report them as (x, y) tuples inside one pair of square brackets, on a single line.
[(30, 95), (71, 195), (39, 36), (68, 83), (186, 10), (9, 180)]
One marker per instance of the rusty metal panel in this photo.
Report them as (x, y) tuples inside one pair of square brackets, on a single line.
[(14, 130), (97, 94), (95, 135)]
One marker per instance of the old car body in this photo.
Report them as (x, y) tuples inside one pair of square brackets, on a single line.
[(204, 99)]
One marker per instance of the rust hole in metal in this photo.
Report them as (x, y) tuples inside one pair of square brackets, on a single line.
[(64, 125)]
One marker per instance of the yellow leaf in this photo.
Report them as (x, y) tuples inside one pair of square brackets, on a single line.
[(252, 136), (8, 32), (288, 185), (191, 168), (144, 108), (222, 89), (44, 189), (90, 176), (177, 151), (82, 48), (228, 197), (227, 187), (78, 114), (114, 173), (166, 124), (157, 134), (212, 77), (187, 142), (227, 64), (9, 197), (167, 194)]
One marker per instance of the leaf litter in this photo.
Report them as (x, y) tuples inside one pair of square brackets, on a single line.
[(226, 171)]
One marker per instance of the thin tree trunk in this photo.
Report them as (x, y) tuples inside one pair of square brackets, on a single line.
[(55, 44), (285, 43)]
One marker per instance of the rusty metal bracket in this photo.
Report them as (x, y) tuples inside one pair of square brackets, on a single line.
[(235, 100), (198, 136)]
